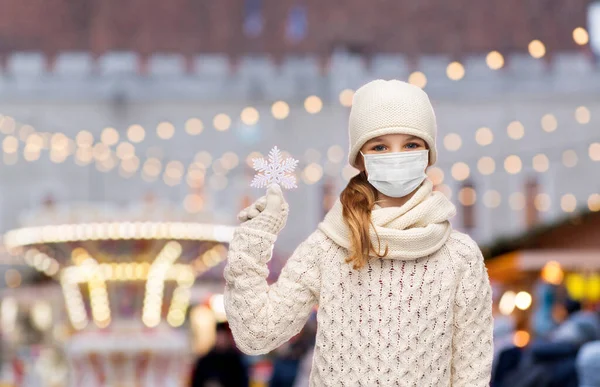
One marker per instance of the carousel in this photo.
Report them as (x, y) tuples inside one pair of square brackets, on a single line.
[(126, 276)]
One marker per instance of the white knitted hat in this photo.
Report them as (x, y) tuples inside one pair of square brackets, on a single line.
[(383, 107)]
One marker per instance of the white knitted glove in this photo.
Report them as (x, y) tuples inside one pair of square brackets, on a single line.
[(269, 213)]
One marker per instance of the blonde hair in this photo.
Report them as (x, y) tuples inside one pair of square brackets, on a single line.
[(357, 201)]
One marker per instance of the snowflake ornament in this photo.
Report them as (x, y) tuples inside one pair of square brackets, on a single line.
[(275, 170)]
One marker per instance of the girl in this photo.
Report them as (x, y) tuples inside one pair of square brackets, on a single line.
[(403, 299)]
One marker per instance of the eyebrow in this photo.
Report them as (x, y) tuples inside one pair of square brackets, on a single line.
[(409, 138)]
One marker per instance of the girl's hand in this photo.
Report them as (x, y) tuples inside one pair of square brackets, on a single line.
[(268, 213)]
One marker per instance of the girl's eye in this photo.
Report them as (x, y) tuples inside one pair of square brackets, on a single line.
[(412, 145), (379, 148)]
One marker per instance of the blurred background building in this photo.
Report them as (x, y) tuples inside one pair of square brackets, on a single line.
[(117, 115)]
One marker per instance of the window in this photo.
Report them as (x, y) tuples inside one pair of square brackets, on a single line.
[(253, 18), (297, 23)]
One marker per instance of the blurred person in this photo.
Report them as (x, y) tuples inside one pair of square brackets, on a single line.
[(588, 364), (287, 361), (552, 362), (223, 365), (403, 298)]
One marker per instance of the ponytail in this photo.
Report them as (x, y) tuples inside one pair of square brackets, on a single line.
[(357, 201)]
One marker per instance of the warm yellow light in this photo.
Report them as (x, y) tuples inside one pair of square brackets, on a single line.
[(569, 158), (460, 171), (110, 136), (515, 130), (542, 202), (335, 154), (549, 123), (494, 60), (313, 104), (312, 173), (165, 130), (492, 199), (12, 278), (484, 136), (521, 339), (513, 164), (467, 196), (455, 71), (552, 273), (280, 110), (486, 165), (10, 144), (193, 203), (417, 78), (250, 116), (7, 125), (436, 175), (506, 305), (523, 300), (125, 150), (194, 126), (581, 36), (583, 115), (541, 163), (452, 142), (594, 202), (537, 49), (84, 139), (346, 97), (136, 133), (222, 122), (594, 151), (568, 203)]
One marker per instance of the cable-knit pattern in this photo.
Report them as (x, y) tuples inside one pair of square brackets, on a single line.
[(422, 322)]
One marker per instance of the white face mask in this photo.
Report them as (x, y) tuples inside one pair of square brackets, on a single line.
[(396, 174)]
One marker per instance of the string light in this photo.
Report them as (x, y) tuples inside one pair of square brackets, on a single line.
[(136, 133), (194, 126), (455, 71), (436, 175), (542, 202), (541, 163), (222, 122), (549, 123), (512, 164), (583, 115), (537, 49), (594, 151), (594, 202), (569, 158), (7, 125), (165, 130), (335, 154), (486, 165), (313, 104), (125, 150), (568, 203), (10, 144), (492, 199), (109, 136), (515, 130), (417, 78), (581, 36), (280, 110), (84, 139), (452, 142), (250, 116), (460, 171), (312, 173), (346, 97), (494, 60), (467, 196), (484, 136)]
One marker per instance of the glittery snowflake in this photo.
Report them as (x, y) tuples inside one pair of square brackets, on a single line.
[(274, 170)]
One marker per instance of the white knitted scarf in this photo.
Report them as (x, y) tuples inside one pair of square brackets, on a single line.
[(416, 229)]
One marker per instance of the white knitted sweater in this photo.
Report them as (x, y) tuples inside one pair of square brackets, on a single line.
[(422, 316)]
